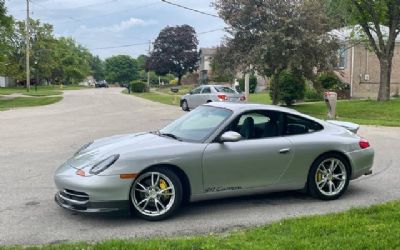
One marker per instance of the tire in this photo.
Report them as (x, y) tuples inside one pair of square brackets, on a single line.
[(156, 194), (184, 105), (325, 184)]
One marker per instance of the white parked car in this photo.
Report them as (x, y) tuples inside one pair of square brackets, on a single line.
[(210, 93)]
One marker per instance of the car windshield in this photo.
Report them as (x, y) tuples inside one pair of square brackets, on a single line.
[(225, 89), (197, 125)]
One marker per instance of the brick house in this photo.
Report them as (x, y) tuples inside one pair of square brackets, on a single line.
[(205, 70), (359, 67)]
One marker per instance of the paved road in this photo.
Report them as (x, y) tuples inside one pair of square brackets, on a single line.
[(34, 141)]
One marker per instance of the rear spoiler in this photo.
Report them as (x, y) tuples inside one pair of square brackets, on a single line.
[(347, 125)]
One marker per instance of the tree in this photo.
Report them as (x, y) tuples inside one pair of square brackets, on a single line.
[(175, 51), (121, 69), (380, 20), (272, 36), (97, 67), (141, 62), (222, 65), (6, 24), (71, 62)]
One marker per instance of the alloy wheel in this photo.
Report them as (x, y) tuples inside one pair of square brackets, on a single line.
[(153, 194), (331, 176)]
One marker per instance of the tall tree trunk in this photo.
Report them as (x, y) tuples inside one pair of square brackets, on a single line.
[(179, 80), (275, 89), (385, 76)]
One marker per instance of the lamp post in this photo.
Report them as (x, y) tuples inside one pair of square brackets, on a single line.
[(36, 75)]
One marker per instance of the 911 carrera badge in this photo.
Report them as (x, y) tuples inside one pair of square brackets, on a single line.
[(220, 189)]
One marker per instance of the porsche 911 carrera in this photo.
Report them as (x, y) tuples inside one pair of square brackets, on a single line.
[(219, 149)]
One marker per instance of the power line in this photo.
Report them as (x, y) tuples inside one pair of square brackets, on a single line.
[(122, 46), (210, 31), (145, 43), (187, 8)]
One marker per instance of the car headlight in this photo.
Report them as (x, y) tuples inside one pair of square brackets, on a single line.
[(83, 148), (103, 165)]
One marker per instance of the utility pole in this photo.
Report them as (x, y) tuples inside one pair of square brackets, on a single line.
[(27, 41), (246, 85), (148, 72)]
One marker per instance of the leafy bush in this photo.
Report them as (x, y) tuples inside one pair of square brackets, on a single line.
[(139, 86), (312, 95), (252, 84), (291, 86), (173, 82), (328, 80)]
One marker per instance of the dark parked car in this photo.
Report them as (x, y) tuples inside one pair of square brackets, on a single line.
[(101, 84)]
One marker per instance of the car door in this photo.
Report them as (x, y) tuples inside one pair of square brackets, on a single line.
[(194, 99), (205, 94), (255, 161)]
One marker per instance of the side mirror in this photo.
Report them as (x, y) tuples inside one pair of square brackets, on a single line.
[(190, 93), (230, 136)]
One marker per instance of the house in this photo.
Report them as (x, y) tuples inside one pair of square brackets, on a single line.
[(6, 82), (205, 69), (359, 66)]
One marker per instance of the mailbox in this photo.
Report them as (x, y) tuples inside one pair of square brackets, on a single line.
[(331, 100)]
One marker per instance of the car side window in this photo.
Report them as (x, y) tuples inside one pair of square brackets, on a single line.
[(197, 90), (257, 125), (206, 90), (295, 125)]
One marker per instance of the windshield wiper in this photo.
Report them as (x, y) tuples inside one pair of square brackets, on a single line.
[(171, 136)]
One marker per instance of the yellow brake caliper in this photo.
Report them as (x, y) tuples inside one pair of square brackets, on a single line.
[(163, 185), (319, 176)]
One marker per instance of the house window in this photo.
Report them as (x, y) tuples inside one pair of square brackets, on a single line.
[(342, 56)]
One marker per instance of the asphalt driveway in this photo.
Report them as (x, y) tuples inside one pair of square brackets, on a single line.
[(34, 141)]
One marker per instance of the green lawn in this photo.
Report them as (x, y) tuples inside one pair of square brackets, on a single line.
[(366, 112), (170, 99), (376, 227), (41, 90), (263, 98), (19, 102)]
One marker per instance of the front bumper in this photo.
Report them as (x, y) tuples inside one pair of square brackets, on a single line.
[(89, 207), (91, 193)]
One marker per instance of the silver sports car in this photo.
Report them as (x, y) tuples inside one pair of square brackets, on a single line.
[(217, 150)]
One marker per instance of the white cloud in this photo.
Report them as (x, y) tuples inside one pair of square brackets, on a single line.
[(116, 28)]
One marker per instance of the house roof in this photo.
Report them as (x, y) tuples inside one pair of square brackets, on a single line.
[(356, 32), (208, 51)]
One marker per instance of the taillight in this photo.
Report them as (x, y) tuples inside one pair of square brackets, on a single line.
[(222, 97), (364, 143), (243, 98)]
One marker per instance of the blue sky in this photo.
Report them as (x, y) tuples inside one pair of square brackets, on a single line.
[(108, 23)]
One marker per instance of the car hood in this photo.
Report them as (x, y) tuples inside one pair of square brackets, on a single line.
[(119, 144)]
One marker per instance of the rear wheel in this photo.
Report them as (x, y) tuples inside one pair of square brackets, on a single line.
[(156, 194), (185, 106), (329, 177)]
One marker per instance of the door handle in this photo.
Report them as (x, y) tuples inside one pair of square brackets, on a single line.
[(284, 151)]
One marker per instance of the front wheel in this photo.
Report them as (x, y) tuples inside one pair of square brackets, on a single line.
[(156, 194), (185, 106), (329, 177)]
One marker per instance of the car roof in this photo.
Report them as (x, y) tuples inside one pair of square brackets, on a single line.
[(213, 85), (240, 107)]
